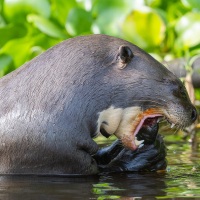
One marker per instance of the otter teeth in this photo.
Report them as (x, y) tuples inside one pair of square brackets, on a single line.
[(158, 120), (141, 145), (138, 143), (172, 125)]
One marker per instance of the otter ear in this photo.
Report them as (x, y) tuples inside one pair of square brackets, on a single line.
[(125, 55)]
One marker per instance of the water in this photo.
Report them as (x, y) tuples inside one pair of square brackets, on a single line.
[(180, 181)]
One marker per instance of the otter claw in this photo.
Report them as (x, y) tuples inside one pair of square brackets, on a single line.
[(137, 142)]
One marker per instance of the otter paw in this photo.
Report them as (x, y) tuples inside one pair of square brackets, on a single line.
[(147, 158)]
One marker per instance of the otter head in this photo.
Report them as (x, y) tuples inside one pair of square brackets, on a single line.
[(142, 92)]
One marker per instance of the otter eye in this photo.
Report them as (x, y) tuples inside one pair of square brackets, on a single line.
[(182, 91)]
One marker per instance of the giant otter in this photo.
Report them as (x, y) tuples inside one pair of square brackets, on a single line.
[(54, 105)]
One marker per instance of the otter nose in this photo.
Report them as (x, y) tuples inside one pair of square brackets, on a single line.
[(194, 114)]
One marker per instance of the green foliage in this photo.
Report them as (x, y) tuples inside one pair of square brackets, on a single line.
[(167, 29), (16, 11), (46, 26), (144, 27), (188, 30), (78, 22)]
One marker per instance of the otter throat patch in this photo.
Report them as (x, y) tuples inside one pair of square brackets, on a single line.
[(116, 120)]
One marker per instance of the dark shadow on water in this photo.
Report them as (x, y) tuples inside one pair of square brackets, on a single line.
[(112, 186), (45, 188), (129, 185), (181, 181)]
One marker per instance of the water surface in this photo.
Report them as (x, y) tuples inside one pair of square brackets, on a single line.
[(181, 181)]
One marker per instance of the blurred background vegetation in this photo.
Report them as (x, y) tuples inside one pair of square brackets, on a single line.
[(166, 29)]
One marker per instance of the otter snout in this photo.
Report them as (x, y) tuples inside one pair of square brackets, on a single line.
[(181, 115), (190, 115)]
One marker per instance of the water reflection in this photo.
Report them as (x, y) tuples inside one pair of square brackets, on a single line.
[(46, 188), (182, 180), (131, 185), (116, 186)]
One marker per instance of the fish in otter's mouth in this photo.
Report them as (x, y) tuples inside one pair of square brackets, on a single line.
[(134, 127)]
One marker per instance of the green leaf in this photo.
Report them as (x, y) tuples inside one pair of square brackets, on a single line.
[(111, 14), (109, 22), (125, 6), (185, 22), (43, 41), (6, 64), (46, 26), (61, 8), (1, 5), (153, 3), (35, 51), (2, 22), (145, 28), (191, 3), (85, 4), (5, 61), (188, 30), (78, 22), (10, 32), (16, 10), (18, 49)]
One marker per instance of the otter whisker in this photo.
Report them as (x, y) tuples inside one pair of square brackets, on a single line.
[(178, 127), (153, 101), (175, 131), (163, 121), (161, 99), (153, 105), (158, 98)]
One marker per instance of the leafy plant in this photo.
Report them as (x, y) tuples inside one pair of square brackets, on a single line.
[(167, 29)]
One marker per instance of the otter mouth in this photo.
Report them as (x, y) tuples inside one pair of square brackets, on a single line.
[(146, 131), (133, 126), (143, 129)]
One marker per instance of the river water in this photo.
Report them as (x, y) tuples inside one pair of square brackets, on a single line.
[(180, 181)]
